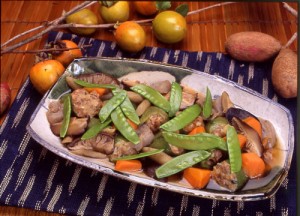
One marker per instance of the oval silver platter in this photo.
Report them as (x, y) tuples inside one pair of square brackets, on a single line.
[(257, 104)]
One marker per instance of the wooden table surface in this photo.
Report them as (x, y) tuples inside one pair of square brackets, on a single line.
[(207, 31)]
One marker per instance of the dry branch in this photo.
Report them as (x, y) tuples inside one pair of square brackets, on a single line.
[(55, 24)]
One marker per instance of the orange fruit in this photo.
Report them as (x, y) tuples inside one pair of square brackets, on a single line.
[(66, 57), (44, 74), (130, 36), (146, 8)]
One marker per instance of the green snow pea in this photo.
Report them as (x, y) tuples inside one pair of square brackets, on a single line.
[(95, 129), (175, 98), (203, 141), (111, 104), (140, 155), (121, 123), (180, 163), (67, 116), (184, 118), (207, 106), (128, 108), (152, 95), (93, 85), (234, 150)]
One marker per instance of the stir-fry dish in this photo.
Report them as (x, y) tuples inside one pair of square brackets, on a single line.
[(164, 129)]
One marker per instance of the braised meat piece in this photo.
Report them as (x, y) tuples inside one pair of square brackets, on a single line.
[(85, 104)]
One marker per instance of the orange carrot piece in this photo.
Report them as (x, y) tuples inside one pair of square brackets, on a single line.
[(100, 91), (242, 140), (132, 124), (128, 165), (197, 130), (255, 124), (253, 165), (197, 177)]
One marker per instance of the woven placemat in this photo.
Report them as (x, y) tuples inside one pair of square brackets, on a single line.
[(33, 177)]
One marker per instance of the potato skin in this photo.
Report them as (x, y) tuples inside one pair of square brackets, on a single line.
[(252, 46), (284, 73)]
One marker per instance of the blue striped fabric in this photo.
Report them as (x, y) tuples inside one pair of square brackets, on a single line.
[(33, 177)]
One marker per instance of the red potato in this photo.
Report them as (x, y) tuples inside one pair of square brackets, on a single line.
[(252, 46), (4, 97)]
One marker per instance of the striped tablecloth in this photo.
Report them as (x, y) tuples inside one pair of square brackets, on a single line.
[(33, 177)]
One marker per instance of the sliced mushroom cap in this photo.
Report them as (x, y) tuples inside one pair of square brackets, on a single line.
[(103, 143), (76, 127), (268, 134), (253, 143), (226, 102)]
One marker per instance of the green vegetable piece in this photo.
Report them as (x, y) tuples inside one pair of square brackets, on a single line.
[(152, 110), (95, 129), (114, 102), (140, 155), (180, 163), (203, 141), (67, 116), (120, 122), (93, 85), (127, 108), (175, 98), (184, 118), (207, 106), (234, 150), (152, 95)]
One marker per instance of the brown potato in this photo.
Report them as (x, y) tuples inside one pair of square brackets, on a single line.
[(252, 46), (284, 73)]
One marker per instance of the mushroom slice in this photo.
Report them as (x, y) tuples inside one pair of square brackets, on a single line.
[(268, 134), (103, 143), (253, 143), (226, 102), (162, 86), (77, 126)]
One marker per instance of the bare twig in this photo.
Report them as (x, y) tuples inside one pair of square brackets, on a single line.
[(290, 9), (291, 40), (50, 49), (51, 25), (55, 24)]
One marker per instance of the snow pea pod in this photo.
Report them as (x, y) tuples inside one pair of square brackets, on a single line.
[(95, 129), (121, 123), (207, 106), (184, 118), (140, 155), (93, 85), (128, 108), (67, 116), (203, 141), (180, 163), (234, 150), (175, 98), (152, 95), (114, 102)]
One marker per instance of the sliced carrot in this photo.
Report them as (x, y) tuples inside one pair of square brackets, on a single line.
[(242, 140), (255, 124), (100, 91), (128, 165), (253, 165), (132, 124), (197, 177), (197, 130)]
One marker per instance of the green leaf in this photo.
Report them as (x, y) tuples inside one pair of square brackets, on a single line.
[(183, 9), (107, 3), (163, 5)]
